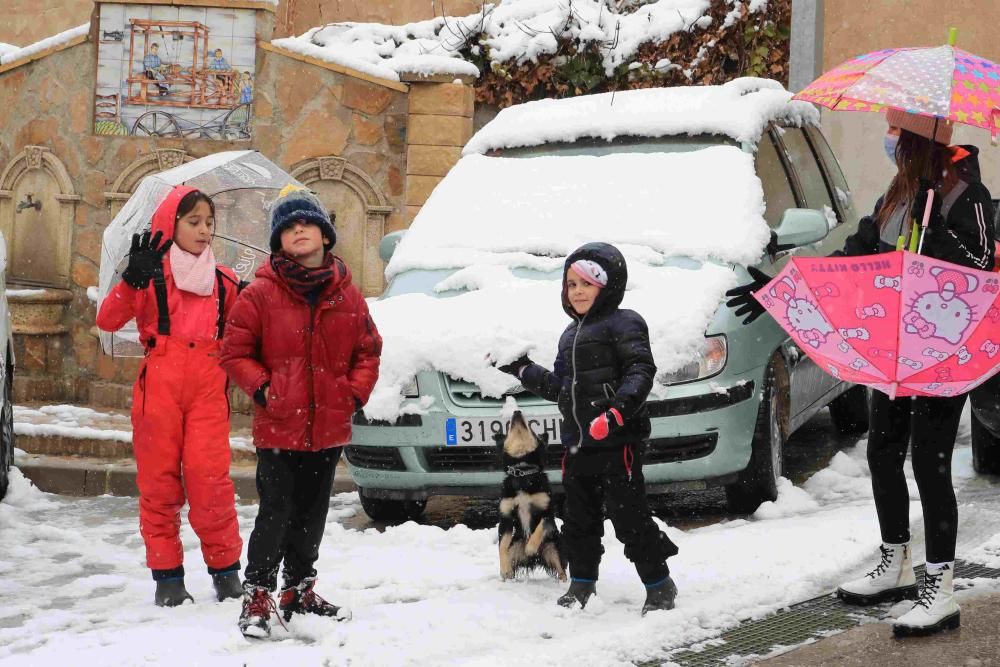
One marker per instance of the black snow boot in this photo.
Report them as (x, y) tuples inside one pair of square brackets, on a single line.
[(302, 599), (171, 593), (258, 605), (227, 585), (579, 593), (660, 596)]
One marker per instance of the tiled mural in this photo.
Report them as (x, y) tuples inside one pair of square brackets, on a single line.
[(175, 71)]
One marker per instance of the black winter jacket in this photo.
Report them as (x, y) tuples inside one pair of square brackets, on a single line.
[(604, 354), (967, 236)]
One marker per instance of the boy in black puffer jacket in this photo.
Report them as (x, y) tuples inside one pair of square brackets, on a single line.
[(603, 372)]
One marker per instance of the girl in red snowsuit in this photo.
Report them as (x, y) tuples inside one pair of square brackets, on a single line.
[(180, 410)]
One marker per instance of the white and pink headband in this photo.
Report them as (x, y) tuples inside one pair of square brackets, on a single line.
[(591, 272)]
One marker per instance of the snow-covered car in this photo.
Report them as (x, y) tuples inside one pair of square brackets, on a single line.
[(985, 401), (689, 183), (6, 378)]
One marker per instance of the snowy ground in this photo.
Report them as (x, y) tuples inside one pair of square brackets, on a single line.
[(74, 587)]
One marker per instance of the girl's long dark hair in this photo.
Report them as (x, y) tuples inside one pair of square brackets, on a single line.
[(190, 200), (916, 158)]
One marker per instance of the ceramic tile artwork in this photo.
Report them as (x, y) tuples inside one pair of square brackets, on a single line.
[(155, 76)]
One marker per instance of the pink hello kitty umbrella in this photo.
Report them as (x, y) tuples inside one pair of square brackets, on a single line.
[(902, 323)]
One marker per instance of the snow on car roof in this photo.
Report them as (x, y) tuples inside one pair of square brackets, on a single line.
[(519, 30), (494, 214), (740, 109)]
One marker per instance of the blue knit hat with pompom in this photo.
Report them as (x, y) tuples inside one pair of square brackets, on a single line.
[(297, 203)]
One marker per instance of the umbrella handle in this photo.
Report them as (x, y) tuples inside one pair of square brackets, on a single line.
[(927, 218)]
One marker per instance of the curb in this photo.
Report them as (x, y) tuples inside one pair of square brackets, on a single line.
[(78, 476), (98, 448)]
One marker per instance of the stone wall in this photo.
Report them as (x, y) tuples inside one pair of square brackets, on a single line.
[(440, 123), (344, 136), (27, 21), (857, 137), (294, 17)]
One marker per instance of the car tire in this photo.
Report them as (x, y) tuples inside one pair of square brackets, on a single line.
[(6, 434), (849, 411), (758, 482), (385, 510), (985, 448)]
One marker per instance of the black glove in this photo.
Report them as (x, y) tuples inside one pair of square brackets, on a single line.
[(773, 247), (742, 300), (920, 203), (608, 421), (515, 367), (145, 257), (260, 396)]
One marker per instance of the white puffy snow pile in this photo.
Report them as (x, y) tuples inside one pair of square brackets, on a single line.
[(491, 215), (740, 109), (510, 30), (10, 53), (75, 589)]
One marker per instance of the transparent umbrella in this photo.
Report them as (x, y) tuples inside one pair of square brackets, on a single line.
[(242, 183)]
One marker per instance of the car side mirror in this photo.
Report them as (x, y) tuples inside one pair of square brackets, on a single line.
[(387, 246), (801, 227)]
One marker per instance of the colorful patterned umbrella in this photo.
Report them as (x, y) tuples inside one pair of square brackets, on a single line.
[(904, 324), (943, 81)]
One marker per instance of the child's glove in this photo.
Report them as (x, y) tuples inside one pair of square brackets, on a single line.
[(607, 422), (145, 257), (515, 367)]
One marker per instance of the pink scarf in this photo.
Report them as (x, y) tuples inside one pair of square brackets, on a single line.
[(193, 273)]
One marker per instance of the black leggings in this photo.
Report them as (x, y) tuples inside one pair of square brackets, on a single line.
[(595, 480), (932, 423), (294, 489)]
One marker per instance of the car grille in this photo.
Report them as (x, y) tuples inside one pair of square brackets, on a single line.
[(482, 459), (682, 448), (468, 394), (375, 458), (359, 419)]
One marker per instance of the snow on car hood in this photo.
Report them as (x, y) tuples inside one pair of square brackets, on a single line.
[(491, 215)]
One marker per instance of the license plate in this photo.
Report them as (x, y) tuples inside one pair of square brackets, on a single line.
[(479, 432)]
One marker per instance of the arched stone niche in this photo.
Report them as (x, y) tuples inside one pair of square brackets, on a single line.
[(151, 163), (361, 209), (37, 208)]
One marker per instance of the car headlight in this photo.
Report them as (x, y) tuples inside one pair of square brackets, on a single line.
[(711, 360), (410, 389)]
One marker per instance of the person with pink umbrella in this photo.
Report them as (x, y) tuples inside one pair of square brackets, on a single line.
[(959, 231)]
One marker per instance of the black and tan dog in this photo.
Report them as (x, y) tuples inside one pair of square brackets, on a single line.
[(529, 538)]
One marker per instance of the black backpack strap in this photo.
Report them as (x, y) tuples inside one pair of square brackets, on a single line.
[(162, 305), (221, 322)]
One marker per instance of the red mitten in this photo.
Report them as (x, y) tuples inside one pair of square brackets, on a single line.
[(605, 424)]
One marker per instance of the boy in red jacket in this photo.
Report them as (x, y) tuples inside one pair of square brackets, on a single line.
[(301, 342)]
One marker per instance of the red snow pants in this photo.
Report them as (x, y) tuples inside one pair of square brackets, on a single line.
[(180, 422)]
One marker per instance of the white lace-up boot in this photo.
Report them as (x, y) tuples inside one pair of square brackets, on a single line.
[(936, 608), (892, 579)]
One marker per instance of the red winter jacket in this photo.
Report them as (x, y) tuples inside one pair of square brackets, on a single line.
[(192, 317), (317, 359)]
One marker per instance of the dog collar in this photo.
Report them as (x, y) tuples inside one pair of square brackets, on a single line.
[(521, 470)]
